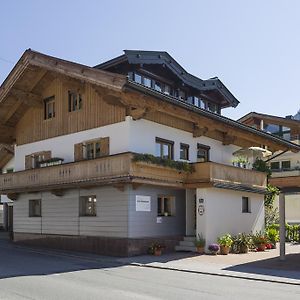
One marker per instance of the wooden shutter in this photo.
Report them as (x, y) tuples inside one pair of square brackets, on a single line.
[(78, 152), (47, 154), (28, 162), (104, 146)]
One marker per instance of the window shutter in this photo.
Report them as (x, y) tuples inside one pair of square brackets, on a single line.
[(104, 146), (78, 152), (47, 154), (28, 162)]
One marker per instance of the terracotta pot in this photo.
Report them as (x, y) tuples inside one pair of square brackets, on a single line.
[(200, 250), (244, 249), (224, 250), (261, 247), (157, 252)]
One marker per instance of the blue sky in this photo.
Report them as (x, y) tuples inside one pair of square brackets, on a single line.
[(252, 46)]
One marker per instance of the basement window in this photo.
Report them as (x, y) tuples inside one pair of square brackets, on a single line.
[(246, 205), (166, 206), (49, 107), (35, 208), (88, 206), (75, 101)]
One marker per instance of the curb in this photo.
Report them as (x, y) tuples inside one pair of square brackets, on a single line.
[(215, 274)]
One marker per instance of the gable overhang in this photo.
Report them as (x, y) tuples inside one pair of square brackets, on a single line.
[(163, 58), (19, 91)]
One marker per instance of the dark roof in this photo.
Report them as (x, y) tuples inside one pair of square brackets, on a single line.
[(163, 58), (139, 87)]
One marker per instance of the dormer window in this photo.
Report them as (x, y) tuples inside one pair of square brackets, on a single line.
[(157, 86), (75, 101), (212, 107)]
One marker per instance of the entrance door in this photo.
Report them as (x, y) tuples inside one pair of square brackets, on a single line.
[(10, 218), (190, 212)]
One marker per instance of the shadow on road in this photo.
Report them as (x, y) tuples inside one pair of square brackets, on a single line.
[(18, 261), (272, 266)]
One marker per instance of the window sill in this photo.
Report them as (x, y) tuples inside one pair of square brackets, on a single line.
[(246, 212), (88, 216)]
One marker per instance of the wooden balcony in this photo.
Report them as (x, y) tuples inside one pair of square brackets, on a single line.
[(120, 169)]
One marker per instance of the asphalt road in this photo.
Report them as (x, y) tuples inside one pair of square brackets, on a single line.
[(40, 274)]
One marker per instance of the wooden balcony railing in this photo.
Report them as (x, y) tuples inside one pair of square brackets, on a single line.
[(121, 168), (223, 174)]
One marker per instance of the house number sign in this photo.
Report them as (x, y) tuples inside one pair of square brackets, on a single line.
[(201, 209)]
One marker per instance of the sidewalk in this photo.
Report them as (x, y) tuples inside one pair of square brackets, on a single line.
[(263, 266)]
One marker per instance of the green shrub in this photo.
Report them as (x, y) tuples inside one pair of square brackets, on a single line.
[(151, 159)]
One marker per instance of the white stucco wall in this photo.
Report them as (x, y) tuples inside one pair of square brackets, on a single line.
[(9, 165), (223, 213), (63, 146), (143, 134), (135, 136)]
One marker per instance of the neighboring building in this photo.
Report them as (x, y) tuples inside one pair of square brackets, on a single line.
[(6, 165), (285, 165), (78, 183)]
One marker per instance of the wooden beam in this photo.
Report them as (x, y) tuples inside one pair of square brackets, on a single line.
[(40, 74), (11, 111), (228, 139), (27, 98), (199, 131)]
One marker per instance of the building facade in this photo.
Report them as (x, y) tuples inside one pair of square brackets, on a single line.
[(285, 165), (112, 158)]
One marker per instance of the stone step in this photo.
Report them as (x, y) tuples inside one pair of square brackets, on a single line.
[(187, 243), (189, 238), (186, 248)]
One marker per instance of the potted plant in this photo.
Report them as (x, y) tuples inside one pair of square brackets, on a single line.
[(244, 241), (260, 241), (225, 243), (156, 249), (200, 244), (273, 237), (214, 249)]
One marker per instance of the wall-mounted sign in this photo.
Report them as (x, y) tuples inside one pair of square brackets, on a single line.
[(159, 220), (142, 203), (201, 209)]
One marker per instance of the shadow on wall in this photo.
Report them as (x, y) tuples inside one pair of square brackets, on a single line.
[(272, 267)]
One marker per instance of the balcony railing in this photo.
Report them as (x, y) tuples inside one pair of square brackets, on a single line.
[(121, 168)]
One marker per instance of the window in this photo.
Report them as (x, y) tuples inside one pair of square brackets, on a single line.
[(157, 86), (138, 78), (88, 206), (75, 101), (165, 206), (10, 170), (202, 153), (168, 90), (49, 108), (35, 208), (245, 205), (184, 151), (147, 82), (275, 165), (93, 150), (164, 148), (286, 165), (212, 107)]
